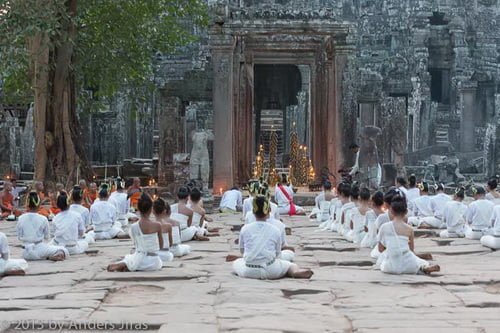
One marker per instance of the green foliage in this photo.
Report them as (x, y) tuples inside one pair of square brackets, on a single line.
[(115, 43)]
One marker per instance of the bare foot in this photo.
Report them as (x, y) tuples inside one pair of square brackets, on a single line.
[(213, 229), (424, 227), (231, 257), (208, 219), (58, 257), (303, 274), (201, 238), (431, 269), (122, 236), (213, 235), (425, 256), (17, 272)]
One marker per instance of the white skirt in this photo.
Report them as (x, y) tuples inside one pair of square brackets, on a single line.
[(80, 247), (409, 263), (188, 233), (142, 262), (12, 265), (180, 250), (369, 239), (42, 251), (472, 234), (111, 233), (166, 255), (493, 242), (276, 270), (451, 234)]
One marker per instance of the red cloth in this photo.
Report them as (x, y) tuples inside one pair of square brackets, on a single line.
[(292, 211)]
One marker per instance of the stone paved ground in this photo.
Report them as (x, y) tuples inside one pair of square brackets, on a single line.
[(199, 294)]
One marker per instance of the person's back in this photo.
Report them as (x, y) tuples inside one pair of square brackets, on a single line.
[(83, 211), (438, 203), (231, 200), (479, 214), (454, 214), (68, 226), (32, 228), (422, 206), (256, 251), (120, 201), (102, 215)]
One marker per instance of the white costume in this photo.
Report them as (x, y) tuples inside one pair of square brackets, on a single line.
[(7, 264), (370, 238), (397, 257), (283, 202), (286, 255), (83, 211), (454, 217), (260, 243), (122, 205), (231, 200), (249, 217), (412, 194), (247, 206), (187, 232), (357, 233), (32, 229), (423, 213), (488, 196), (103, 218), (479, 218), (178, 249), (379, 222), (165, 254), (332, 223), (344, 216), (492, 239), (147, 246), (68, 227)]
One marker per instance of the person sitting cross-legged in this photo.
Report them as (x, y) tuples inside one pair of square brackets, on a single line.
[(148, 240), (260, 243)]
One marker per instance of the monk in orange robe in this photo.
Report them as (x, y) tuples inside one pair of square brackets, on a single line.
[(7, 201), (90, 195), (134, 192), (44, 200)]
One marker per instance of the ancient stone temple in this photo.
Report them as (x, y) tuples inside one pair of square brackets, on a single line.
[(424, 71)]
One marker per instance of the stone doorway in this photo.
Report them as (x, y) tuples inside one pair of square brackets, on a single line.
[(281, 105)]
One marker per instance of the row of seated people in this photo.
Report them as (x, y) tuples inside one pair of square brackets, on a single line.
[(75, 227), (377, 221)]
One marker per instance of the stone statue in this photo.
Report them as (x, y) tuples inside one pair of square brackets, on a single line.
[(199, 164), (370, 172)]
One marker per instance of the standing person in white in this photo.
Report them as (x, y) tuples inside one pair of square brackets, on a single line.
[(103, 217), (68, 227), (232, 201), (396, 244), (120, 201), (478, 214), (454, 216), (10, 266), (32, 229), (260, 244), (147, 237)]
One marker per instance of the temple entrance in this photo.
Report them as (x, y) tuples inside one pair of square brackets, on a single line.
[(281, 104)]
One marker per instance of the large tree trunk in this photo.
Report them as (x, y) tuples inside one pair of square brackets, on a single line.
[(58, 152)]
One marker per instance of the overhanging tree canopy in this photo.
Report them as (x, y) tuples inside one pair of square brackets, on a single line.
[(51, 49)]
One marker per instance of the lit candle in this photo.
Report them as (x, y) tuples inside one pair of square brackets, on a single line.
[(220, 191)]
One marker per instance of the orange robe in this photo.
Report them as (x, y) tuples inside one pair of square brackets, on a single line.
[(134, 195), (8, 202), (88, 198)]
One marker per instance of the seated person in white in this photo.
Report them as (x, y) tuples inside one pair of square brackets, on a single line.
[(147, 237), (321, 210), (454, 216), (69, 227), (412, 192), (283, 195), (377, 204), (76, 206), (438, 202), (260, 243), (422, 211), (253, 189), (492, 194), (346, 211), (492, 239), (344, 195), (103, 218), (121, 202), (383, 218), (10, 266), (184, 215), (264, 190), (395, 242), (478, 214), (199, 213), (232, 201), (32, 229), (401, 185), (358, 218), (159, 215), (176, 247)]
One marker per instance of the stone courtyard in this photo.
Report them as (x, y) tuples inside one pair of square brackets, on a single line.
[(198, 293)]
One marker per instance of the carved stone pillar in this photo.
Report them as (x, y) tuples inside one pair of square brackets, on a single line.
[(223, 102), (168, 132)]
